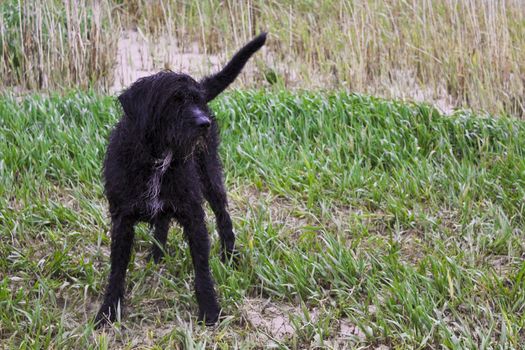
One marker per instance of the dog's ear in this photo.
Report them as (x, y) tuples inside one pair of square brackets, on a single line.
[(215, 84), (134, 103), (129, 103), (126, 102)]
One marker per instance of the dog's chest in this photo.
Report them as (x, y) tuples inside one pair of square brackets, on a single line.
[(168, 185), (154, 201)]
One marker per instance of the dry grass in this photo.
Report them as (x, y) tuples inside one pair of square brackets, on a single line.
[(47, 45), (458, 53)]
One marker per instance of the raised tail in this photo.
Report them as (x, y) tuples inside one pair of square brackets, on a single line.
[(215, 84)]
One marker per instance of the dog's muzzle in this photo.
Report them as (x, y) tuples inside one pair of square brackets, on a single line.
[(201, 120)]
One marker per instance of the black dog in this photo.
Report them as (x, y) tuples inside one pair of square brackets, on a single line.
[(161, 159)]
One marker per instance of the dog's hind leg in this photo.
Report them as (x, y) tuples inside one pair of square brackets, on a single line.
[(192, 221), (121, 244), (214, 192), (160, 233)]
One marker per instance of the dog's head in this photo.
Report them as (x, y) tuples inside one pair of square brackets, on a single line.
[(169, 110)]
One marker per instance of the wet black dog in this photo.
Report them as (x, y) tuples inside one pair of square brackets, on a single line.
[(161, 160)]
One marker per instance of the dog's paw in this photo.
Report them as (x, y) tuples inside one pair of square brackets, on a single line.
[(155, 256), (209, 317), (232, 256), (102, 320), (106, 316)]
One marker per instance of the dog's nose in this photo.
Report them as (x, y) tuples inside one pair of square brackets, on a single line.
[(203, 122)]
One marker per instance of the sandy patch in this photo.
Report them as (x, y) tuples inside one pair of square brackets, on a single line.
[(139, 56), (404, 85), (273, 320), (270, 318)]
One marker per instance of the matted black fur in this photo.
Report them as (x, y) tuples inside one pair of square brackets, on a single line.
[(161, 160)]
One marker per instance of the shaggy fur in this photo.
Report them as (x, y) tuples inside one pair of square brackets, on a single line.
[(161, 160)]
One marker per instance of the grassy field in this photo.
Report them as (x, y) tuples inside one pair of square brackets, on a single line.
[(362, 222), (468, 53)]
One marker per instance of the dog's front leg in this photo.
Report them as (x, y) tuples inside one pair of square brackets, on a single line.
[(199, 241), (121, 244), (210, 169)]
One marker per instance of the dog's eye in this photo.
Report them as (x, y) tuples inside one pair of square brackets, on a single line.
[(194, 98)]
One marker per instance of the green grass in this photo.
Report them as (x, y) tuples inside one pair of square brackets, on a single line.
[(388, 218)]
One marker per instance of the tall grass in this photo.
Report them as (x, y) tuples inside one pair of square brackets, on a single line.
[(466, 53), (52, 45)]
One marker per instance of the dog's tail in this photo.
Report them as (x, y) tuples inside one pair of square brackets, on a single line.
[(215, 84)]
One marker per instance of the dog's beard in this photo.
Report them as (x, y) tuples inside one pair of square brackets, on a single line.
[(187, 147), (199, 145)]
